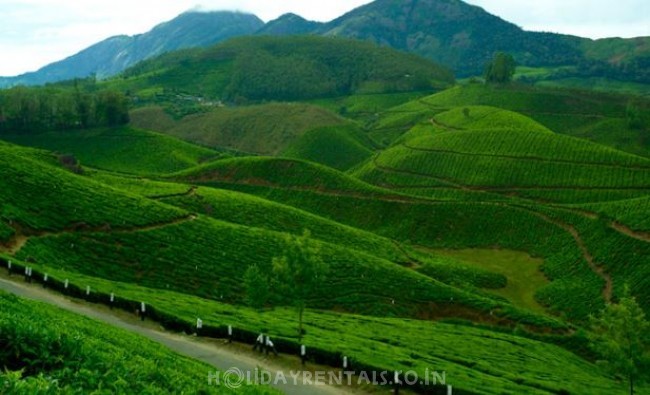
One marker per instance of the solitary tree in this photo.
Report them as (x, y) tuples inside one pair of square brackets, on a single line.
[(299, 272), (500, 69), (257, 287), (621, 335)]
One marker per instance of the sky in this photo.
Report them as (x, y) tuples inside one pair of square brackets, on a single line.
[(34, 33)]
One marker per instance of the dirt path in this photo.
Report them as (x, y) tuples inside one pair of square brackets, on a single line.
[(189, 192), (218, 354), (643, 236), (595, 267)]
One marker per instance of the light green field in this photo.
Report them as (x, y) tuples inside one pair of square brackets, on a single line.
[(523, 272)]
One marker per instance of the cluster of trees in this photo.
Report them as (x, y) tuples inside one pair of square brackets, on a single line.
[(60, 107), (500, 69)]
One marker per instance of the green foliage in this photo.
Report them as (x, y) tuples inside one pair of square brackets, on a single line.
[(27, 110), (49, 350), (300, 272), (630, 212), (397, 344), (248, 210), (500, 69), (256, 282), (620, 334)]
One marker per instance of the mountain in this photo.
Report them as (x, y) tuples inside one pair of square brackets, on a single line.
[(289, 24), (452, 32), (115, 54)]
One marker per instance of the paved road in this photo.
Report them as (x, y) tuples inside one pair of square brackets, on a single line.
[(211, 353)]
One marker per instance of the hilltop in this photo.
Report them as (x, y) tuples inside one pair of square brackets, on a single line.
[(291, 68)]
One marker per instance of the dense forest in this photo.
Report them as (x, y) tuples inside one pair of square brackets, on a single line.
[(77, 104)]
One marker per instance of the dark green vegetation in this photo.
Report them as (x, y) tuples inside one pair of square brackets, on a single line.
[(285, 68), (61, 108), (67, 353)]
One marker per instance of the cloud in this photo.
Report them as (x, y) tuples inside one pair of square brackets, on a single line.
[(589, 18)]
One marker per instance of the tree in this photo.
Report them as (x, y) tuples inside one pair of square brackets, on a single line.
[(634, 115), (300, 272), (621, 335), (257, 287), (500, 69)]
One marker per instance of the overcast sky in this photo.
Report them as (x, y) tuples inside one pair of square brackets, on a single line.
[(34, 33)]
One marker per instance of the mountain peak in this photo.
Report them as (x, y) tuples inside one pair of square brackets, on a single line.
[(289, 24), (111, 56)]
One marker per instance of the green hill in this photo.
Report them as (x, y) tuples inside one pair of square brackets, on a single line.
[(493, 150), (137, 240), (600, 117), (40, 195), (278, 173), (265, 129), (337, 147), (284, 68), (124, 149)]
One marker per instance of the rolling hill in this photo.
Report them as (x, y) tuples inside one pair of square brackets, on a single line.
[(600, 117), (265, 129), (125, 149)]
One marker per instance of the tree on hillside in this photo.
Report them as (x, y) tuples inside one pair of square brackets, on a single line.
[(299, 272), (500, 69), (257, 287), (621, 335)]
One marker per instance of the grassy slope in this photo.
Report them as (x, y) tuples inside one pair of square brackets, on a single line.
[(63, 352), (243, 209), (208, 258), (280, 173), (260, 129), (123, 149), (599, 117), (521, 270), (493, 149), (39, 195), (575, 290), (138, 236), (337, 147)]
